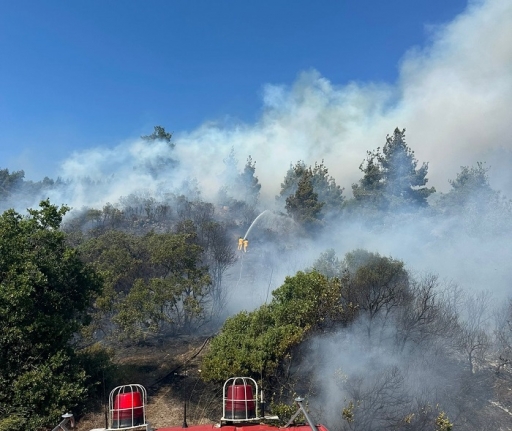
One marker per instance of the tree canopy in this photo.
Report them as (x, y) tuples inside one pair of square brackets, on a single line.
[(155, 283), (328, 194), (249, 182), (159, 134), (165, 160), (10, 182), (303, 205), (473, 206), (256, 343), (239, 189), (392, 179), (45, 292)]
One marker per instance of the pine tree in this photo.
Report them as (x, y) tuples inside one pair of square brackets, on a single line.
[(249, 182), (165, 161), (291, 181), (370, 187), (329, 194), (303, 205), (391, 178), (159, 134)]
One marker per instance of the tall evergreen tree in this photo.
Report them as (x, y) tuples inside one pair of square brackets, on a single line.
[(239, 188), (402, 178), (228, 177), (325, 187), (392, 178), (164, 161), (329, 193), (231, 166), (303, 205), (249, 182), (474, 205), (470, 185), (291, 181), (371, 184)]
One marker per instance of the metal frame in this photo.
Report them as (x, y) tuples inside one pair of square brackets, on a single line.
[(67, 419), (302, 409), (245, 381), (123, 390)]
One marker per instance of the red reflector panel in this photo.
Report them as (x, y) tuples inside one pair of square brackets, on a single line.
[(240, 402), (128, 410)]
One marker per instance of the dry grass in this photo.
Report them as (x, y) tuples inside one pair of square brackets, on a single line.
[(172, 361)]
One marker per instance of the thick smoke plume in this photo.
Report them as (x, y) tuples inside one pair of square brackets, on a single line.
[(453, 96)]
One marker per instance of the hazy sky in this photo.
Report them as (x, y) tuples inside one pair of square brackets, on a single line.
[(281, 81)]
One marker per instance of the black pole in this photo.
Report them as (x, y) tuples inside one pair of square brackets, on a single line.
[(185, 425)]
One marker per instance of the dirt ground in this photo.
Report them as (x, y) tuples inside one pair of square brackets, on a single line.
[(170, 371)]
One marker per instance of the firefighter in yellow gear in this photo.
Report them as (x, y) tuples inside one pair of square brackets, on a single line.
[(240, 243), (246, 243)]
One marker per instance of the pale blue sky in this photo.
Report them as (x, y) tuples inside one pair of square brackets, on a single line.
[(80, 74)]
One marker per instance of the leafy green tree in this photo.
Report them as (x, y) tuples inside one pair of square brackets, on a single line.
[(154, 283), (257, 343), (392, 178), (303, 206), (197, 219), (177, 259), (443, 422), (120, 258), (309, 300), (45, 293), (374, 285), (250, 344)]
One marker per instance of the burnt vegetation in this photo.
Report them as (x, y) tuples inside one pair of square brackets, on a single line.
[(372, 343)]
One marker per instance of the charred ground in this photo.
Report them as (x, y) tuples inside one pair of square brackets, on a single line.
[(170, 370)]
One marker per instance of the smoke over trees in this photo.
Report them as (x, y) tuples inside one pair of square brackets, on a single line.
[(303, 205), (391, 178), (374, 330), (404, 335)]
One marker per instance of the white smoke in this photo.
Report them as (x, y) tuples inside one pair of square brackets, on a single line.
[(454, 97)]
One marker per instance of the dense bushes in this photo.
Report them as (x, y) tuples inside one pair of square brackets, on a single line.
[(45, 293)]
